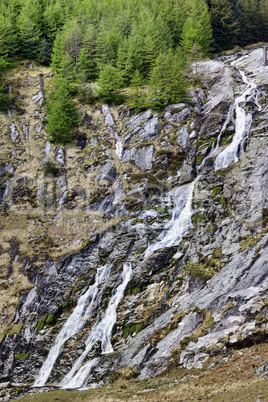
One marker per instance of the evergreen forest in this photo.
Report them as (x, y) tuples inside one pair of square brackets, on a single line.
[(142, 45)]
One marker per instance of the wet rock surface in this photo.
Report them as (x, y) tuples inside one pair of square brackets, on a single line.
[(67, 212)]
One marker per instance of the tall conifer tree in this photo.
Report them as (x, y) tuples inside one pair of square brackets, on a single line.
[(62, 114), (197, 26), (224, 25)]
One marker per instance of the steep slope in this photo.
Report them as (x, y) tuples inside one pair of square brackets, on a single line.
[(134, 239)]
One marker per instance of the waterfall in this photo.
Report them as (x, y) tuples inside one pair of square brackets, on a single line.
[(112, 128), (74, 324), (102, 332), (228, 118), (118, 146), (243, 122), (180, 221)]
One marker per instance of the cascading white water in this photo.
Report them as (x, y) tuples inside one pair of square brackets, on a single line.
[(102, 332), (118, 146), (214, 149), (226, 122), (243, 122), (74, 324), (112, 127), (180, 221)]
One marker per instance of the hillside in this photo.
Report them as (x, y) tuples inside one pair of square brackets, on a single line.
[(142, 243)]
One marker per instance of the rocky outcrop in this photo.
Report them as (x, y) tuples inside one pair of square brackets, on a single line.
[(116, 201)]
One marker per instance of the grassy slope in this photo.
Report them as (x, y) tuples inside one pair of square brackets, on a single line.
[(223, 378)]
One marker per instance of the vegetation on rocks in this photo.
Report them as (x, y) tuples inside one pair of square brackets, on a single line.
[(113, 190), (62, 115), (230, 377)]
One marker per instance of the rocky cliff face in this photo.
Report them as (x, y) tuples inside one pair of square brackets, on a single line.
[(133, 239)]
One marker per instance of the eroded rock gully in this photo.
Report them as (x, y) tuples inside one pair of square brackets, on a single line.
[(139, 191)]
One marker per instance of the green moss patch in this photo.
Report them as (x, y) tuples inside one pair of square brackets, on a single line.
[(207, 268), (15, 329), (68, 306), (22, 356), (198, 219), (216, 190), (132, 329), (41, 323), (252, 240)]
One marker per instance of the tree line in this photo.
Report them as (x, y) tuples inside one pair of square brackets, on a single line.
[(122, 43)]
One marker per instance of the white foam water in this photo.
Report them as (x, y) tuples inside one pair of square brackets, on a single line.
[(101, 332), (74, 324), (243, 122), (180, 222)]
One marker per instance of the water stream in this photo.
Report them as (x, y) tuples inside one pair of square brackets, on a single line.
[(243, 122), (118, 146), (101, 332), (74, 324), (180, 222), (112, 127)]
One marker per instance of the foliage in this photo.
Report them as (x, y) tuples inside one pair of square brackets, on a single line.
[(44, 53), (4, 100), (197, 27), (62, 115), (86, 94), (50, 169), (168, 86), (109, 80), (224, 24), (137, 94), (118, 43), (22, 356)]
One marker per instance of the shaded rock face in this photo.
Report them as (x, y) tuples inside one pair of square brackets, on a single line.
[(68, 212)]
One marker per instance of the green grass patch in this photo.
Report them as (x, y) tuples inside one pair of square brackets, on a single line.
[(22, 356), (216, 190)]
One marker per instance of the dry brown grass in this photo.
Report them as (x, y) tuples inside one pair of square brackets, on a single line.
[(223, 378)]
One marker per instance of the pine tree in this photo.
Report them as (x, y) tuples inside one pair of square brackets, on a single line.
[(148, 55), (108, 40), (110, 79), (137, 94), (53, 19), (44, 53), (67, 69), (62, 114), (166, 81), (263, 11), (30, 25), (82, 64), (29, 34), (4, 101), (250, 21), (72, 40), (87, 59), (8, 36), (129, 57), (57, 51), (224, 25), (197, 27)]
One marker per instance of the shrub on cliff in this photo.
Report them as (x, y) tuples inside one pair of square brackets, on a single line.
[(62, 114), (167, 83)]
